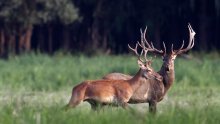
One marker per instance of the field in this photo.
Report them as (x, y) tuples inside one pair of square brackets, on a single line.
[(34, 88)]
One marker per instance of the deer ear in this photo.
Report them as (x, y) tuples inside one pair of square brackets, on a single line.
[(149, 63), (141, 64), (174, 56)]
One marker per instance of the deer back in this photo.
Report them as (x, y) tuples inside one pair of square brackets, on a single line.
[(117, 76)]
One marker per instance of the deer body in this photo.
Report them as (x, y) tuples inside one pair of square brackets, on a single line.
[(95, 92), (147, 89), (150, 91), (109, 92), (156, 89), (117, 76)]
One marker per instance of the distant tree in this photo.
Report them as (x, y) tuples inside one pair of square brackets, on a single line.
[(106, 25), (53, 12), (19, 16), (94, 26)]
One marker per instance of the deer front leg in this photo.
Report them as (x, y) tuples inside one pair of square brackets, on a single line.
[(123, 102), (152, 107), (124, 105)]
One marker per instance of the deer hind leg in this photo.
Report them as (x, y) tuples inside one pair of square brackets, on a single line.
[(153, 107), (94, 105), (78, 95), (124, 105), (74, 101)]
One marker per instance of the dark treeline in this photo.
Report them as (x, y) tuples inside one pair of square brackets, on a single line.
[(93, 26)]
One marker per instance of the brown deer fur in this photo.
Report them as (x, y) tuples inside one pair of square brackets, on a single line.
[(150, 91), (111, 92), (166, 71)]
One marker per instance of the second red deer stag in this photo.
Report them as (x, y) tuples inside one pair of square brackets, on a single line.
[(166, 71), (112, 92)]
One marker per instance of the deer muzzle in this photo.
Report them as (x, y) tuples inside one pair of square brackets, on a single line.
[(167, 68)]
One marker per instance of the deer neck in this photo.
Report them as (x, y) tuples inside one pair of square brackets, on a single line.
[(168, 76), (135, 81)]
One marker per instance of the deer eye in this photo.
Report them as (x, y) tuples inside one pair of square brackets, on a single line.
[(164, 60), (148, 71)]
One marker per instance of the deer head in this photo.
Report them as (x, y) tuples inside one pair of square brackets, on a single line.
[(144, 63), (168, 58)]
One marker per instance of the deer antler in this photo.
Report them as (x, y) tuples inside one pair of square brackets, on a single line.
[(142, 51), (191, 42), (149, 46)]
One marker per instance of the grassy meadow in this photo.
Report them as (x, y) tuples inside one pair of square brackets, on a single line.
[(34, 88)]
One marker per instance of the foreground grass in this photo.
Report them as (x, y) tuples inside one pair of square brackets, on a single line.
[(191, 106), (34, 88), (53, 115)]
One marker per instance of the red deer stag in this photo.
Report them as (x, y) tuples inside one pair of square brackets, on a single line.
[(112, 92), (166, 71)]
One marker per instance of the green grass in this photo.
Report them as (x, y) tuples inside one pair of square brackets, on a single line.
[(34, 89)]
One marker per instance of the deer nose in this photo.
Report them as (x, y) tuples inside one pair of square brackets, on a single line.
[(167, 69)]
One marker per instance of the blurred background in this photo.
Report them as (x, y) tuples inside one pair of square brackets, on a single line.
[(104, 26), (49, 46)]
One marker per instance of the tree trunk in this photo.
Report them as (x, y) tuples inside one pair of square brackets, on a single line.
[(104, 41), (41, 40), (217, 30), (2, 42), (21, 41), (203, 25), (27, 40), (50, 39), (12, 43), (66, 39), (95, 34)]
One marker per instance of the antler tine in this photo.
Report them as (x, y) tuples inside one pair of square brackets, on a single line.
[(141, 55), (134, 49), (143, 41), (144, 50), (165, 49), (191, 41), (172, 48), (145, 55), (149, 47), (144, 38), (191, 34), (142, 45), (180, 47)]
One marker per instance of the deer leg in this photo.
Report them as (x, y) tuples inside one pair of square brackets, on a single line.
[(95, 105), (123, 103), (74, 101), (71, 105), (152, 107)]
